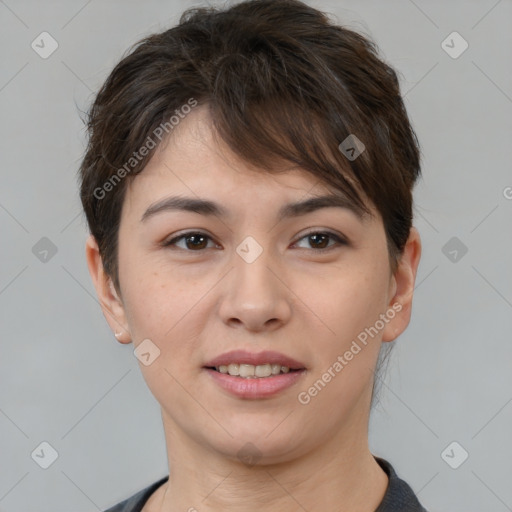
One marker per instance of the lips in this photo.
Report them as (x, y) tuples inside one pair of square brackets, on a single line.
[(255, 359)]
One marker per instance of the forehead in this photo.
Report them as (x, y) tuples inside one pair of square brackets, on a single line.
[(195, 162), (194, 151)]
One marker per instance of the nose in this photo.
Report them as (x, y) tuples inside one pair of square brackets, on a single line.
[(255, 296)]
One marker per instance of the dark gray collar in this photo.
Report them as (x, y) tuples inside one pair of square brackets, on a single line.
[(399, 496)]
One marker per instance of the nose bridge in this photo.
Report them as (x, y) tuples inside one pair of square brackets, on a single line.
[(255, 295), (253, 276)]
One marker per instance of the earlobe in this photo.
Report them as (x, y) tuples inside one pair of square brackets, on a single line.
[(111, 304), (405, 278)]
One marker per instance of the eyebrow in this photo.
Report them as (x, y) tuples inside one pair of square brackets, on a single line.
[(210, 208)]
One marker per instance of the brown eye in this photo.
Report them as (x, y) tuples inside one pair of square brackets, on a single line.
[(192, 241), (319, 240)]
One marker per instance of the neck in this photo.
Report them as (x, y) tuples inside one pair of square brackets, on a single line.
[(340, 475)]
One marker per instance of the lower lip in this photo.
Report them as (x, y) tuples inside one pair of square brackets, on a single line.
[(260, 387)]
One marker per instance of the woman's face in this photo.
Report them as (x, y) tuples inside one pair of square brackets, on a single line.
[(247, 279)]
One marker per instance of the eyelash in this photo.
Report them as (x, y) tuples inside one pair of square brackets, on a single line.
[(337, 238)]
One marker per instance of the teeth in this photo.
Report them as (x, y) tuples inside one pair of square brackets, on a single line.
[(263, 370), (249, 371), (234, 369)]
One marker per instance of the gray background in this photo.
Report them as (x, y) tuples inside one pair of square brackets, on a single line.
[(65, 380)]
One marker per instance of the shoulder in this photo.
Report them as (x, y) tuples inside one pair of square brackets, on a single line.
[(399, 496), (136, 502)]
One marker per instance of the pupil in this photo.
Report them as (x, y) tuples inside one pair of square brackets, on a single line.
[(315, 237), (197, 238)]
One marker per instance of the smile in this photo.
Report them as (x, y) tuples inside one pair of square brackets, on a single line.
[(250, 371)]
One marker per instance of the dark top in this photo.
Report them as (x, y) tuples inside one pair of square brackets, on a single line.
[(399, 496)]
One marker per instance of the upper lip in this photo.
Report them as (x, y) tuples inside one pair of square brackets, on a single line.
[(255, 358)]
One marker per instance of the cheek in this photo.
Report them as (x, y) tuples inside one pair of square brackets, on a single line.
[(346, 354), (172, 317), (344, 301), (146, 303), (171, 310)]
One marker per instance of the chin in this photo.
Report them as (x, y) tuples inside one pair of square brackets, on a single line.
[(260, 443)]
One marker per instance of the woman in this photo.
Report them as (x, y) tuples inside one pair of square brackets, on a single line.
[(248, 189)]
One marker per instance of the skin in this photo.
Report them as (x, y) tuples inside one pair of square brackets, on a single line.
[(295, 298)]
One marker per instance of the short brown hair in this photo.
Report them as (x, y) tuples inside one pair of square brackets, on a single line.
[(281, 83)]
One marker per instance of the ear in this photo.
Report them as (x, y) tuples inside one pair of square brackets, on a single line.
[(111, 303), (402, 283)]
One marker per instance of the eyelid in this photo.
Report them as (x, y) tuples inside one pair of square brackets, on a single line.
[(324, 231), (177, 236)]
